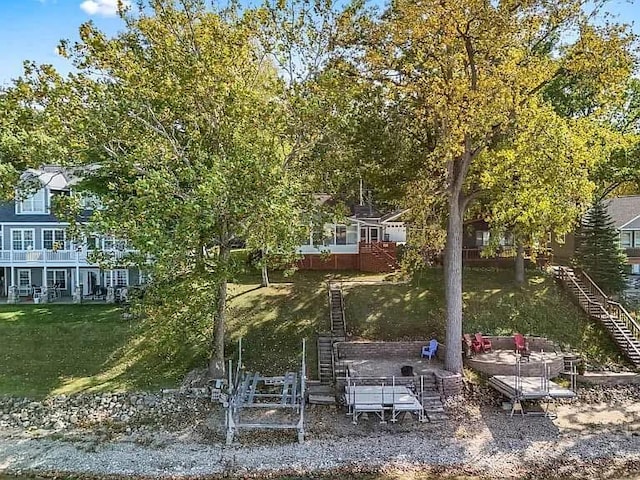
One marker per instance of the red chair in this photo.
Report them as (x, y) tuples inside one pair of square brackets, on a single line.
[(470, 345), (521, 344), (483, 344)]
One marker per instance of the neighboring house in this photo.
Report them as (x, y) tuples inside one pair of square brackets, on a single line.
[(625, 213), (366, 241), (36, 253)]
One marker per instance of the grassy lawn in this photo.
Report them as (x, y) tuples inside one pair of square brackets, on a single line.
[(53, 349), (49, 348), (492, 305)]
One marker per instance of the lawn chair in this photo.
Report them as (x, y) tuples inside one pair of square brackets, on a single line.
[(521, 345), (483, 344), (469, 345), (430, 350)]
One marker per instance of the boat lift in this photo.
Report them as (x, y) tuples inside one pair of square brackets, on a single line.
[(518, 389), (284, 393)]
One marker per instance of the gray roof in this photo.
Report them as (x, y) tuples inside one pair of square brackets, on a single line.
[(623, 210)]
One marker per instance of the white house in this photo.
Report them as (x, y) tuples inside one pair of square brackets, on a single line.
[(367, 240)]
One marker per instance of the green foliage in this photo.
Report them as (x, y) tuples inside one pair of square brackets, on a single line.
[(178, 125), (598, 252), (472, 73)]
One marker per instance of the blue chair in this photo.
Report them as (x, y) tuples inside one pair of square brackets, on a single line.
[(429, 351)]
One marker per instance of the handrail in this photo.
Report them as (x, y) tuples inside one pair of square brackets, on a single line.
[(593, 285), (318, 350), (628, 341), (344, 315), (629, 320), (383, 251)]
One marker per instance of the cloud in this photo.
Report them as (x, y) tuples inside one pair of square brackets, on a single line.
[(106, 8)]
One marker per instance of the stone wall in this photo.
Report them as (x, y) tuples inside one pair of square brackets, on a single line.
[(349, 350), (609, 378), (536, 344)]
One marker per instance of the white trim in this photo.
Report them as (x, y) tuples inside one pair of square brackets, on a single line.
[(18, 270), (53, 270), (33, 236), (65, 242), (630, 221), (393, 217), (11, 224), (45, 202)]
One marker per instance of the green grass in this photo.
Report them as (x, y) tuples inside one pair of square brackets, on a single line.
[(492, 304), (53, 349), (47, 349)]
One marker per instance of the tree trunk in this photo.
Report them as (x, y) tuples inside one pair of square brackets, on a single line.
[(216, 362), (265, 270), (453, 285), (519, 263)]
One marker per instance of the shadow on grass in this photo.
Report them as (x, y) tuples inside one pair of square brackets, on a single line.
[(492, 304), (44, 347)]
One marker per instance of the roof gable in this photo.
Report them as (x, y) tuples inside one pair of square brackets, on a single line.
[(623, 210)]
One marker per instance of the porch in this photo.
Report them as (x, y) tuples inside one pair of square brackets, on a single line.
[(54, 284)]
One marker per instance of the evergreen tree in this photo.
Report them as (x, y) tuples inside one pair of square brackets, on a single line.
[(598, 251)]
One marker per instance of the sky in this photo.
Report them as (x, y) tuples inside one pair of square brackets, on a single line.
[(31, 29)]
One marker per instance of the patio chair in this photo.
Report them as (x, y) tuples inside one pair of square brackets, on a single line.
[(470, 346), (429, 351), (521, 346), (483, 344)]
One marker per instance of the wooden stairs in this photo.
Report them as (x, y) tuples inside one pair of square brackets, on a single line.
[(326, 361), (624, 329)]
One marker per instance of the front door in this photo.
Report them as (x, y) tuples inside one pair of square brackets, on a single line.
[(89, 281), (370, 234)]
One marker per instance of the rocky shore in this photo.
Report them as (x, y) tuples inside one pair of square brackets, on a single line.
[(151, 434)]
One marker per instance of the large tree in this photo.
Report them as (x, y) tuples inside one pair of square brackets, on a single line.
[(471, 72), (178, 125)]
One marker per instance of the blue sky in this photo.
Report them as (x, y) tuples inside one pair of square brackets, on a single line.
[(31, 29)]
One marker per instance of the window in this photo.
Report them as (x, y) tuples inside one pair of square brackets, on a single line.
[(111, 243), (22, 239), (482, 238), (24, 278), (118, 278), (636, 239), (352, 235), (54, 239), (329, 234), (625, 239), (89, 201), (341, 235), (57, 278), (1, 239), (35, 203)]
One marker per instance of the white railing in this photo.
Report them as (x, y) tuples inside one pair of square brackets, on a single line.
[(54, 257)]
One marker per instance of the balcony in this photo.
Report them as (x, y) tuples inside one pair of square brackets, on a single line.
[(38, 258)]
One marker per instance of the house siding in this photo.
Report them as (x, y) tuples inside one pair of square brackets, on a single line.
[(36, 259)]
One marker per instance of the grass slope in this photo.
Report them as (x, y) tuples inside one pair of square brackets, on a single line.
[(493, 304), (53, 349)]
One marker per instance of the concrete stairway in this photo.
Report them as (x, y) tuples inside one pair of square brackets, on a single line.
[(624, 329)]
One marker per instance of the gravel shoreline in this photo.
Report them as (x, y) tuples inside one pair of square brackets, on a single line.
[(589, 439)]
